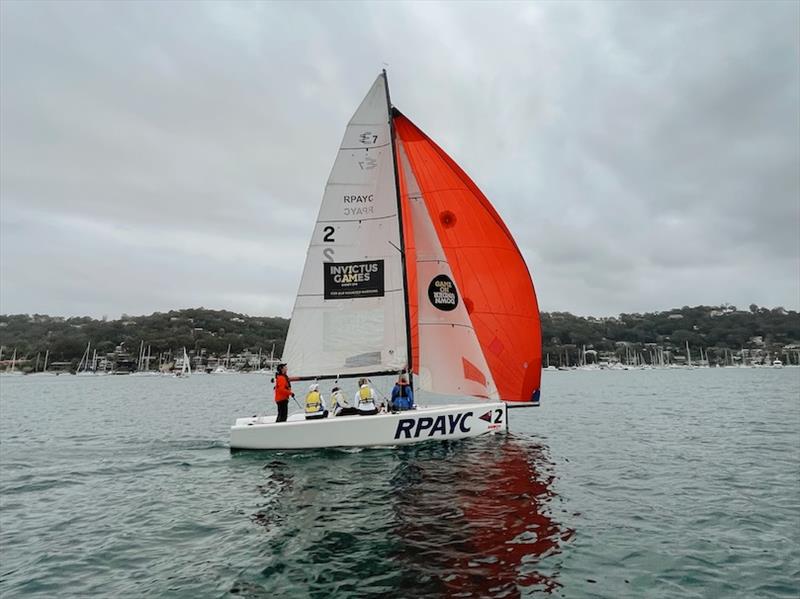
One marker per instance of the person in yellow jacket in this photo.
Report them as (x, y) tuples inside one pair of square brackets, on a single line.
[(365, 399), (315, 404)]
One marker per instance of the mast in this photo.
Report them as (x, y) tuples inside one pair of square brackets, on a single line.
[(402, 237), (46, 355)]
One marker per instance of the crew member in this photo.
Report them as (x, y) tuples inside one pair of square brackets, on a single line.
[(402, 394), (315, 404), (340, 404), (283, 391), (365, 399)]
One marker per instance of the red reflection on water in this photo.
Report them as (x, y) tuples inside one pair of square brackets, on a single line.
[(493, 523)]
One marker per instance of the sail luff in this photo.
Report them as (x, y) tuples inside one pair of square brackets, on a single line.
[(403, 262)]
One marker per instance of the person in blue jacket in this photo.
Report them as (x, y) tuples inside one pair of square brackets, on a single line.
[(402, 394)]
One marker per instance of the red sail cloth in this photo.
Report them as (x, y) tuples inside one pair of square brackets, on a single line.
[(489, 269)]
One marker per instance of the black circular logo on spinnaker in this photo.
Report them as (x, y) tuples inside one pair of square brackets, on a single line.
[(442, 293)]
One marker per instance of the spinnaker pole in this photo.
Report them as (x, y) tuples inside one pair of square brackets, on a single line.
[(402, 237)]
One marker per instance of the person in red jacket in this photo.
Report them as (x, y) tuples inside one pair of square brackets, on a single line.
[(283, 391)]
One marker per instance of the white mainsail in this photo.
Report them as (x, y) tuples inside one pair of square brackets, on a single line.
[(451, 361), (349, 315)]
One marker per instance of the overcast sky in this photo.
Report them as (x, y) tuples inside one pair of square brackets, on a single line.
[(165, 155)]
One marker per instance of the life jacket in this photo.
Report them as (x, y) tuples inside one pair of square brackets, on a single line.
[(313, 402), (283, 388), (365, 395)]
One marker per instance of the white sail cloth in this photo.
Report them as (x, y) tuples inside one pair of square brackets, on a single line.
[(349, 315)]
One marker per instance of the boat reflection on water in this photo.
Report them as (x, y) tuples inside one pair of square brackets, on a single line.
[(477, 521), (471, 518)]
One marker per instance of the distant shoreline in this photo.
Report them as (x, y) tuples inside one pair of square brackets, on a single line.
[(715, 335)]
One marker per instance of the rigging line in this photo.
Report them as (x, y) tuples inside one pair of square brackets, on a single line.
[(333, 377), (393, 140)]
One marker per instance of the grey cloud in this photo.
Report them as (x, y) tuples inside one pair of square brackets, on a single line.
[(158, 155)]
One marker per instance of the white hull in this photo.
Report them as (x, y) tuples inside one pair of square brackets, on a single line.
[(402, 428)]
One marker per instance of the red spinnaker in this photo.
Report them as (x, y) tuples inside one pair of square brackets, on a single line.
[(489, 269)]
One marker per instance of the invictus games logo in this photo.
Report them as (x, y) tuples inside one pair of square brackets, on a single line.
[(350, 280), (442, 293)]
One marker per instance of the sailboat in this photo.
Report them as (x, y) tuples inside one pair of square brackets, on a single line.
[(83, 365), (224, 369), (186, 368), (409, 269), (12, 368)]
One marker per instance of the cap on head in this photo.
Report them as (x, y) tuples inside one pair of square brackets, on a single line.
[(334, 390), (313, 387)]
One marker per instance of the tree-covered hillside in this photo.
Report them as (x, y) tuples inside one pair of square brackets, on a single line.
[(714, 329), (711, 328), (195, 329)]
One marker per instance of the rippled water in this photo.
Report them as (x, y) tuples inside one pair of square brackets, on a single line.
[(623, 484)]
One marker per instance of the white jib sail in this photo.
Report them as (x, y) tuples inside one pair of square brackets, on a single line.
[(349, 315), (450, 357)]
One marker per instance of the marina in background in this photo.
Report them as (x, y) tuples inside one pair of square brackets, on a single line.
[(222, 341)]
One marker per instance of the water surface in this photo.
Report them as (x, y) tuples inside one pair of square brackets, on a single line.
[(623, 484)]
